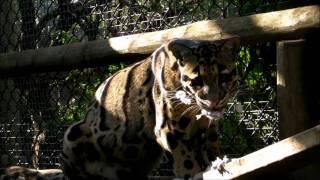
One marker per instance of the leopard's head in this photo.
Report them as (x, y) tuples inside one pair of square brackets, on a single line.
[(207, 73)]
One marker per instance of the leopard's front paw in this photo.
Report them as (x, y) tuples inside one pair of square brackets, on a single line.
[(219, 164), (216, 170)]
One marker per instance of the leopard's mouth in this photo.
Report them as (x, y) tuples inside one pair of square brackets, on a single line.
[(211, 110), (210, 114)]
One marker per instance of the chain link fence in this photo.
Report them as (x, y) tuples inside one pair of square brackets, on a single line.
[(35, 109), (31, 24)]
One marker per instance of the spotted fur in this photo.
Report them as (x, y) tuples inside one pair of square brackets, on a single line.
[(166, 103)]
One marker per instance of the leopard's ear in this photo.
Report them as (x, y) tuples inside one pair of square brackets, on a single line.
[(187, 43), (182, 47)]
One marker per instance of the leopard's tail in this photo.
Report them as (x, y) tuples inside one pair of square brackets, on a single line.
[(18, 172)]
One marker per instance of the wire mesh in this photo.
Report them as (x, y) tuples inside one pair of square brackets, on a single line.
[(30, 24), (36, 109)]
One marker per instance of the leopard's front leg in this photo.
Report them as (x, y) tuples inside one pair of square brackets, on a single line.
[(187, 154), (212, 143), (187, 162), (217, 160), (190, 155)]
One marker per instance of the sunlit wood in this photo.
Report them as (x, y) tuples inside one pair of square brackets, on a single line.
[(273, 26)]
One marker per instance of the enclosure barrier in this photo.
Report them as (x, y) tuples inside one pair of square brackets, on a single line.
[(275, 26), (270, 161)]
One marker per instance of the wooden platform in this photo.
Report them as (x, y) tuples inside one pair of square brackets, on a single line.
[(287, 155)]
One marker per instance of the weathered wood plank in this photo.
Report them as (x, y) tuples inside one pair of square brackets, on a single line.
[(288, 154), (278, 25), (19, 172), (292, 96)]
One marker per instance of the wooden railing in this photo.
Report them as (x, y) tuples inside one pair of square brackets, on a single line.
[(273, 26)]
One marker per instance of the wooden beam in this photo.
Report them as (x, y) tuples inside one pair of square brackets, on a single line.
[(292, 153), (18, 172), (292, 96), (273, 26)]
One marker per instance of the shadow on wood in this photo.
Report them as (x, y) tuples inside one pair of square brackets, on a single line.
[(275, 160)]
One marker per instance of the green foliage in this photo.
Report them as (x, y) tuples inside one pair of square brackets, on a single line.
[(74, 91), (245, 130), (232, 138), (85, 83), (63, 37), (235, 137)]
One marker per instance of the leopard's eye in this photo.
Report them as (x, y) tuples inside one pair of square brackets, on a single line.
[(185, 78), (180, 62), (197, 82)]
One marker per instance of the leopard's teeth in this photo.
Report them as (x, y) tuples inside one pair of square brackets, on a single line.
[(212, 115), (199, 116)]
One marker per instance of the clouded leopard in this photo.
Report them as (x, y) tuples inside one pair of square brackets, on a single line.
[(166, 103)]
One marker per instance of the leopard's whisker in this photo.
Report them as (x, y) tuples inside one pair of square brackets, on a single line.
[(178, 104), (175, 101), (195, 111), (187, 110)]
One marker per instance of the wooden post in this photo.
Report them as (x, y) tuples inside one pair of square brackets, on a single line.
[(292, 101), (298, 93)]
